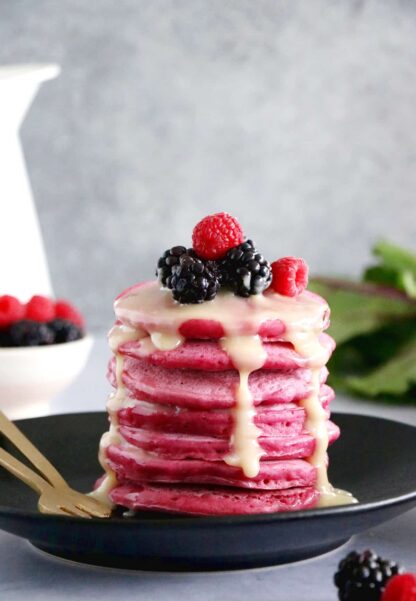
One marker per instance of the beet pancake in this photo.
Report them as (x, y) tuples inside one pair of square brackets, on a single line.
[(135, 465), (286, 419), (211, 501), (209, 448), (211, 390), (207, 355), (201, 329)]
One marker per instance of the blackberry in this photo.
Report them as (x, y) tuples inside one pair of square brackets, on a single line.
[(167, 261), (5, 336), (363, 577), (29, 333), (245, 271), (191, 279), (64, 331)]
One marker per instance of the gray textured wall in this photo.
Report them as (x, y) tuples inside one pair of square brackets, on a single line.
[(296, 116)]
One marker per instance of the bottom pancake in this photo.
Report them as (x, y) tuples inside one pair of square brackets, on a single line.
[(211, 501)]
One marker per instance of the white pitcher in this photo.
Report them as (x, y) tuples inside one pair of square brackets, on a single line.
[(23, 264)]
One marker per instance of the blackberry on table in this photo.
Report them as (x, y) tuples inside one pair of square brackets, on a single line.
[(192, 280), (245, 271), (29, 333), (363, 577), (64, 330)]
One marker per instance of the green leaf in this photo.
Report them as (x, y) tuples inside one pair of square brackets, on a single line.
[(386, 276), (395, 377), (409, 283), (358, 309), (374, 325), (359, 356), (395, 257)]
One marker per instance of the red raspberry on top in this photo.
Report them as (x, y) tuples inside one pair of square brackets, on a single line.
[(214, 235), (290, 276), (400, 588), (64, 310), (40, 308), (11, 310)]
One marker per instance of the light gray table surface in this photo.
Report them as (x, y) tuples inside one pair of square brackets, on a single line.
[(26, 573)]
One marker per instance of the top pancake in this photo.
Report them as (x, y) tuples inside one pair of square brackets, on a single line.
[(151, 308)]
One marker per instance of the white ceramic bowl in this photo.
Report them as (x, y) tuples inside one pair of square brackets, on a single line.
[(30, 377)]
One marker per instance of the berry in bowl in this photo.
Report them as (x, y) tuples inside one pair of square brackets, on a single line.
[(43, 348)]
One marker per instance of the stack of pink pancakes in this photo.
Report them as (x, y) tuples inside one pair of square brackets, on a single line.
[(173, 417)]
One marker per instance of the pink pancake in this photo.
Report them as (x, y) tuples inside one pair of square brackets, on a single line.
[(207, 329), (211, 390), (273, 420), (185, 446), (211, 501), (208, 355), (137, 466)]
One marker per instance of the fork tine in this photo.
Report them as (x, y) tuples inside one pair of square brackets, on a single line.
[(93, 507), (96, 513), (47, 510), (61, 509), (77, 511)]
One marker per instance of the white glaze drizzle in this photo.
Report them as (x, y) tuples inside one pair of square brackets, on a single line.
[(247, 354), (165, 342), (316, 425), (118, 335), (307, 343)]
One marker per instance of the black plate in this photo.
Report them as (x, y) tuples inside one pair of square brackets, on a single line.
[(374, 459)]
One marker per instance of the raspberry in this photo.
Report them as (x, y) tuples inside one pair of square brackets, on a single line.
[(40, 308), (401, 588), (214, 235), (11, 310), (290, 276), (65, 310)]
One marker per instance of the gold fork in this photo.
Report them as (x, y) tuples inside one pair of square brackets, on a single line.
[(56, 496)]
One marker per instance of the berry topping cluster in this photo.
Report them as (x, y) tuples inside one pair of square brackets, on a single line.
[(39, 322), (222, 258), (367, 577)]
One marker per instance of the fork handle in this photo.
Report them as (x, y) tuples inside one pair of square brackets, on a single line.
[(21, 471), (12, 432)]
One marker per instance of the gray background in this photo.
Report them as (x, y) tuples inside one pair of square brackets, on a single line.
[(297, 117)]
